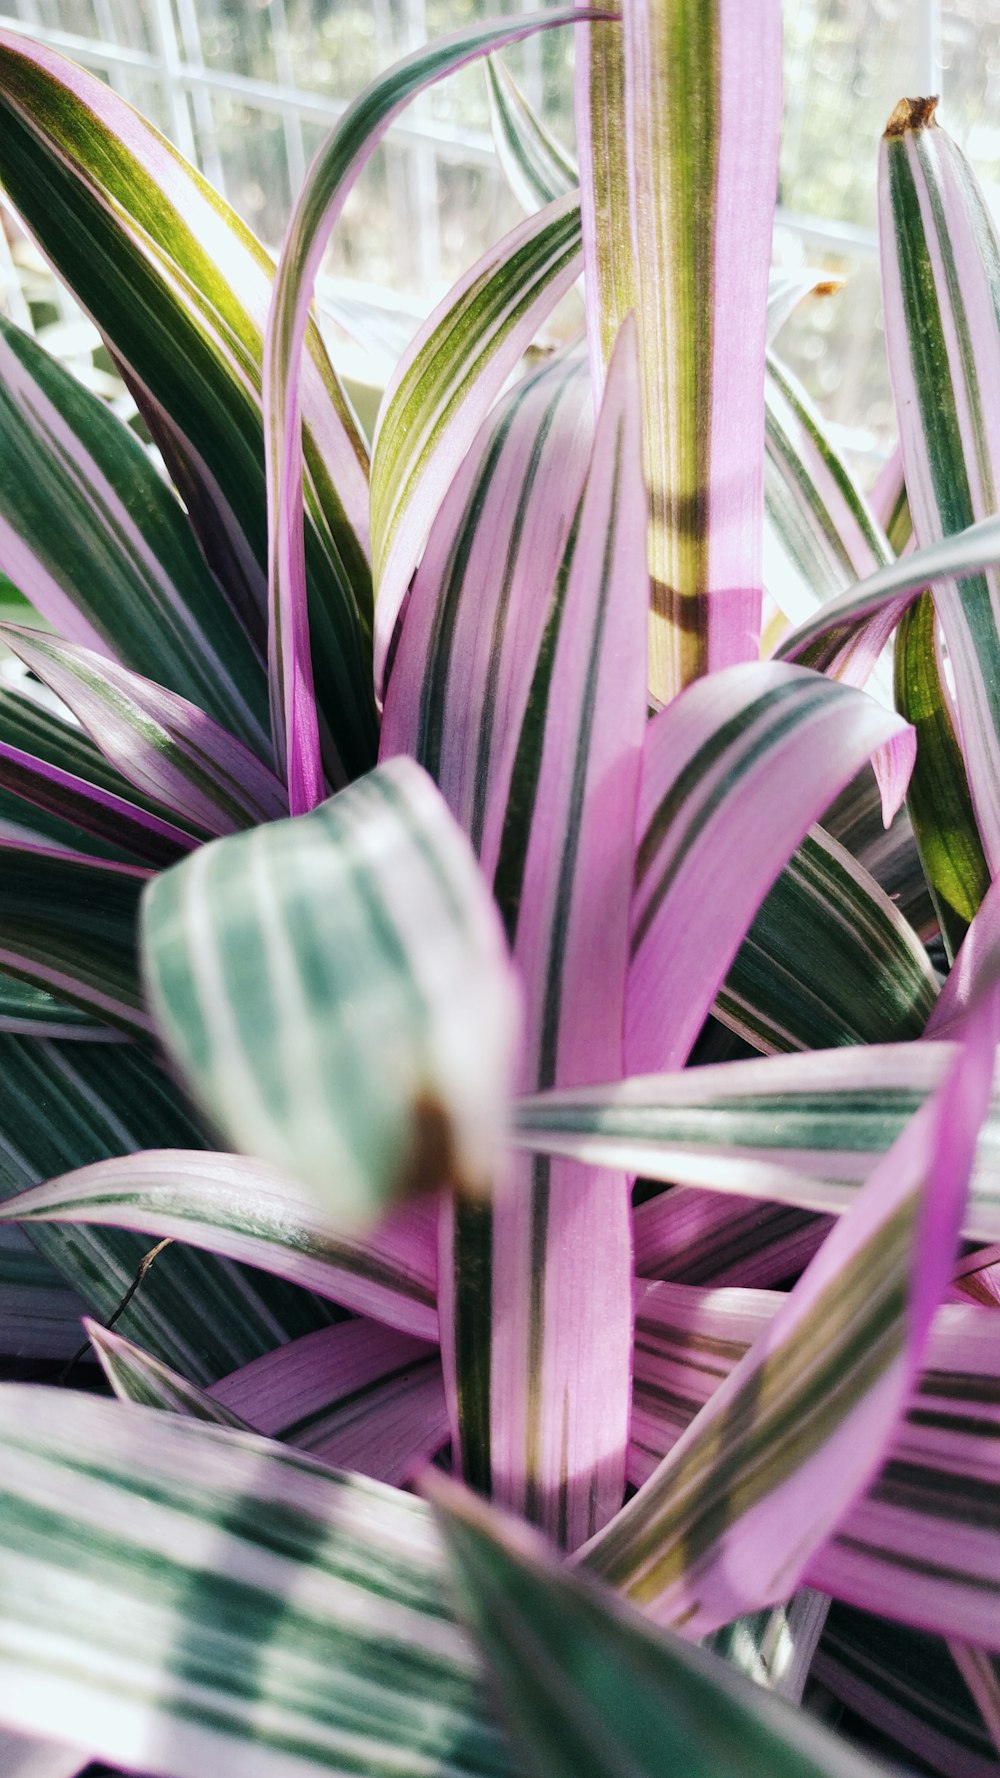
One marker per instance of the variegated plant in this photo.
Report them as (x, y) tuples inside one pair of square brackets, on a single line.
[(392, 835)]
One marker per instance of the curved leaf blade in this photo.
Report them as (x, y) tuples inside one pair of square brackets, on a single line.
[(244, 1210)]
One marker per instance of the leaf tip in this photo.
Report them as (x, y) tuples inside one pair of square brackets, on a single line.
[(912, 114)]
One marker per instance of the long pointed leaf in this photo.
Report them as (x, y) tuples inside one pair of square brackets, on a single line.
[(941, 273), (68, 926), (591, 1691), (313, 218), (445, 385), (700, 81), (181, 291), (121, 572), (537, 1360)]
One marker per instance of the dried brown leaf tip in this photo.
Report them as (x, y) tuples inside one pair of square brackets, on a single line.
[(911, 114)]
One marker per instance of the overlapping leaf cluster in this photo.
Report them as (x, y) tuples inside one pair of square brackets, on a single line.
[(403, 855)]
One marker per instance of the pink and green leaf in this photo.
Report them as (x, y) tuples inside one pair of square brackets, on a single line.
[(733, 1516), (164, 746), (699, 82), (941, 275), (244, 1210), (710, 812), (591, 1690), (478, 607), (314, 216), (181, 291), (66, 1105), (537, 1380), (444, 387), (121, 572)]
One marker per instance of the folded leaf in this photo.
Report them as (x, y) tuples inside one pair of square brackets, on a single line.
[(337, 993), (358, 1395), (223, 1604), (536, 1295), (711, 813), (181, 291), (446, 383), (168, 748), (247, 1211), (938, 795), (122, 573), (732, 1517), (27, 1011), (591, 1691)]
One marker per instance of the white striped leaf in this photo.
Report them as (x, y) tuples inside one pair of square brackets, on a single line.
[(711, 814), (592, 1691), (847, 636), (535, 166), (121, 573), (734, 1514), (445, 385), (65, 1105), (941, 273), (314, 215), (246, 1210), (204, 1600), (164, 746), (800, 1130), (535, 1299), (337, 993), (700, 81), (68, 926), (181, 291), (136, 1376)]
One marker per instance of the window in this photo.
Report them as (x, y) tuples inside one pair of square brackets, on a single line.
[(249, 87)]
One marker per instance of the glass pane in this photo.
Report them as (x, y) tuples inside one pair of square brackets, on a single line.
[(246, 147), (847, 63), (970, 58)]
